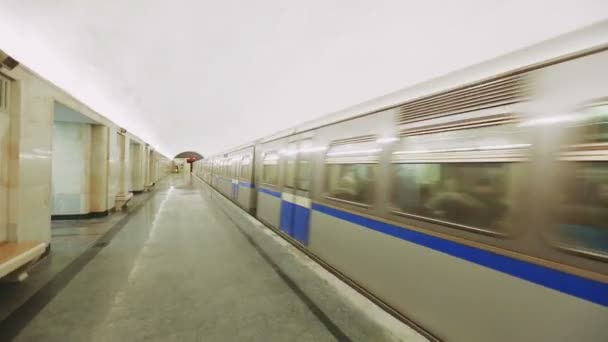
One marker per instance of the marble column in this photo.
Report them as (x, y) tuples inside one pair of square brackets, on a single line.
[(123, 196), (30, 151), (100, 146), (148, 168), (153, 165), (138, 174)]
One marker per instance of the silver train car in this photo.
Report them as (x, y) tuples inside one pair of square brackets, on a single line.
[(474, 206)]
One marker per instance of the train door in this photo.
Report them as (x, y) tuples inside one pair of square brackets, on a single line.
[(234, 178), (571, 107), (288, 192), (295, 200)]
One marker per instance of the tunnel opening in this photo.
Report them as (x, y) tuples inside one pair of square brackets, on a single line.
[(186, 158)]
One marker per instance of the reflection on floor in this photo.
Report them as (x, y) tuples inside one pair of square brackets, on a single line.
[(182, 267)]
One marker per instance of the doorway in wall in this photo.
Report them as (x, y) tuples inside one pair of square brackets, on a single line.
[(71, 163)]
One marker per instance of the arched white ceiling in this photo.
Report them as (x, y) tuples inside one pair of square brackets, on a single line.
[(207, 75)]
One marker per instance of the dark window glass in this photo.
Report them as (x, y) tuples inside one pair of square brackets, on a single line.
[(246, 168), (303, 175), (290, 175), (270, 169), (304, 165), (583, 207), (477, 195), (351, 182), (595, 128)]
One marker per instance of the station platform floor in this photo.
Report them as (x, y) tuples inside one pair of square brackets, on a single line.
[(182, 263)]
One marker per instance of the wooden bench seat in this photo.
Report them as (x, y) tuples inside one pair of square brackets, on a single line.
[(16, 255)]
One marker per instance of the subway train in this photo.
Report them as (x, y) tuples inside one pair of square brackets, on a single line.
[(473, 206)]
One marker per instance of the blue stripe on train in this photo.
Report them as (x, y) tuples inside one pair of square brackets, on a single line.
[(271, 192), (301, 224), (285, 224), (590, 290), (246, 184), (295, 221)]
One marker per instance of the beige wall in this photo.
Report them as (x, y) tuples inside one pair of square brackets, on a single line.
[(32, 110), (26, 147)]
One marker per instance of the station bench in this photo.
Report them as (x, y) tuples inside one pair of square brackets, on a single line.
[(15, 257)]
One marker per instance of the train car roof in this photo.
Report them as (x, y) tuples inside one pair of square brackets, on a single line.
[(586, 40)]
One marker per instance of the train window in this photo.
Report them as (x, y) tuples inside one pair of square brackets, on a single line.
[(290, 166), (595, 128), (234, 167), (350, 169), (351, 182), (582, 213), (465, 178), (475, 195), (290, 175), (304, 165), (245, 172), (304, 170), (270, 168)]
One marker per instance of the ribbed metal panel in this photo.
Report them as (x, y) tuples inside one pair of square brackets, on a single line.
[(498, 92), (493, 120), (354, 140)]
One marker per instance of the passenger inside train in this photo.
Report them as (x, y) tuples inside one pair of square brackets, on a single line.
[(354, 182), (583, 213), (471, 195)]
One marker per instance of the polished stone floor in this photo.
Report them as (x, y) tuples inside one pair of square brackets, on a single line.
[(185, 265), (69, 239)]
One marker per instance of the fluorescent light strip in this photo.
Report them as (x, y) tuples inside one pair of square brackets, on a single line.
[(271, 157), (386, 140), (464, 149), (347, 153), (303, 150), (561, 118)]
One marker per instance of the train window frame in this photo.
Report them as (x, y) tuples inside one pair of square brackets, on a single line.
[(245, 164), (235, 165), (578, 154), (289, 161), (363, 152), (506, 154), (549, 235), (509, 231), (274, 161), (584, 120), (306, 155)]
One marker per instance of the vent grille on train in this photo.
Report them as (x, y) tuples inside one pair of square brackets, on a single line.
[(499, 119), (354, 140), (497, 92)]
